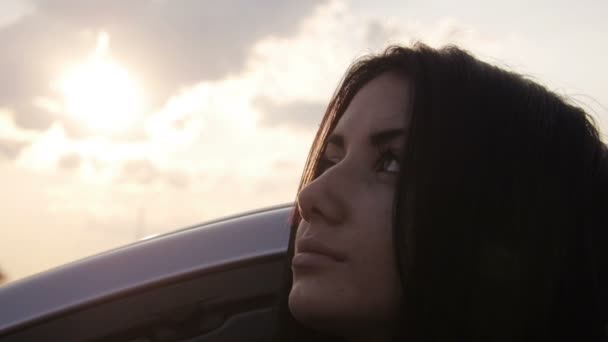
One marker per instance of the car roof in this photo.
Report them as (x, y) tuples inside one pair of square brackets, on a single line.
[(247, 236)]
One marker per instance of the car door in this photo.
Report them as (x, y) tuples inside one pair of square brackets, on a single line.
[(214, 282)]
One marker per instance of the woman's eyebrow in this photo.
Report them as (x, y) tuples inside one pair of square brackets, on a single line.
[(377, 139), (385, 136)]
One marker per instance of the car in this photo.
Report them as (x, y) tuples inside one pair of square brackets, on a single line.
[(216, 281)]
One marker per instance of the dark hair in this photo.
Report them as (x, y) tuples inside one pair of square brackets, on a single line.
[(500, 219)]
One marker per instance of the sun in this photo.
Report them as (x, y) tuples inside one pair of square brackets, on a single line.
[(101, 93)]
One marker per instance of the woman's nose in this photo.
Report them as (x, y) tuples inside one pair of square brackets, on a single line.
[(323, 199)]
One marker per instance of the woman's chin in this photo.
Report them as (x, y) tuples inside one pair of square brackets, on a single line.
[(313, 307)]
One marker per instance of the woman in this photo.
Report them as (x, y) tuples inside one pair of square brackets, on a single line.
[(446, 199)]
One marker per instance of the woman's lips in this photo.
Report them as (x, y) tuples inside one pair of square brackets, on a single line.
[(303, 259), (314, 252)]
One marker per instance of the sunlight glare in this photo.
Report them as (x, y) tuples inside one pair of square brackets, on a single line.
[(101, 93)]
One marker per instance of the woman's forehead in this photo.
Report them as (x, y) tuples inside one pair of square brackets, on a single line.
[(381, 104)]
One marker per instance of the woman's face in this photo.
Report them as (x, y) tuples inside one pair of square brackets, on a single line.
[(344, 270)]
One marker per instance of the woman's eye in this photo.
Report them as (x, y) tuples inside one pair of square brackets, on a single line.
[(389, 162)]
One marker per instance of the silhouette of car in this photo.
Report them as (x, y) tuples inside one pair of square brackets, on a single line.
[(216, 281)]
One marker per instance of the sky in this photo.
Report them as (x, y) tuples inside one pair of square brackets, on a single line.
[(123, 119)]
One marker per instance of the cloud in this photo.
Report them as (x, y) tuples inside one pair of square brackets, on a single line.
[(140, 171), (35, 48), (145, 172), (70, 162), (167, 46), (13, 140), (13, 10), (297, 114), (282, 80), (10, 149), (297, 75)]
